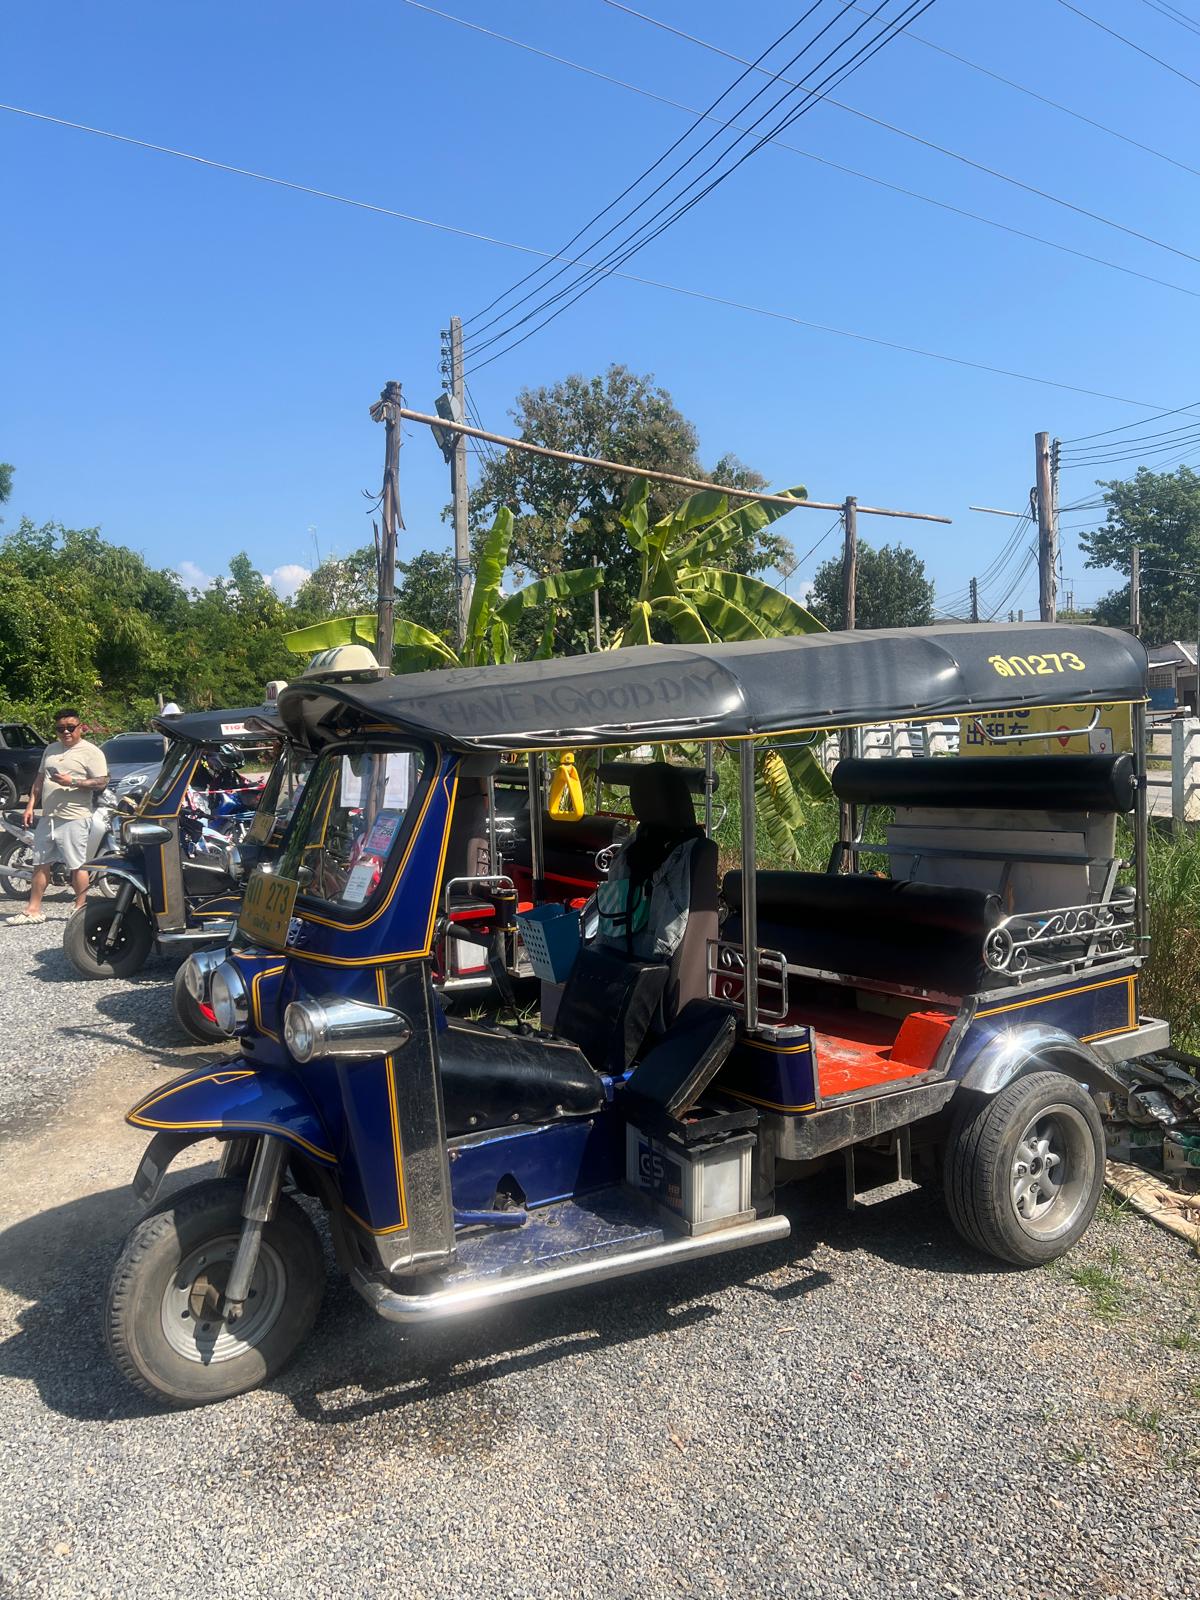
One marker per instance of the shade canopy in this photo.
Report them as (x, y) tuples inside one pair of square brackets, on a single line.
[(246, 725), (709, 691)]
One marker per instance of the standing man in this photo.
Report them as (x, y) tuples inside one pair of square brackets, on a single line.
[(71, 772)]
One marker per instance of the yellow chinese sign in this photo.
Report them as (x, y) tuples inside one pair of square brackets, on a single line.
[(1067, 731)]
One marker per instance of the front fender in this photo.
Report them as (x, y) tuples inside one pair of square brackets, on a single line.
[(117, 867), (232, 1099), (1036, 1047)]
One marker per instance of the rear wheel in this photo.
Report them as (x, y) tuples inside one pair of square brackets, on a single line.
[(15, 853), (194, 1017), (8, 792), (1024, 1171), (167, 1330), (87, 931)]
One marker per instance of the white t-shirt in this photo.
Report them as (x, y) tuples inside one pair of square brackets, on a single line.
[(60, 800)]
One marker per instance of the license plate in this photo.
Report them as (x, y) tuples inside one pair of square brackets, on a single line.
[(267, 909)]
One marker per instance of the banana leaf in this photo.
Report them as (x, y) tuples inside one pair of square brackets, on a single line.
[(683, 619), (727, 620), (330, 633), (637, 629), (488, 577), (558, 586), (778, 613), (633, 515), (738, 527), (697, 510)]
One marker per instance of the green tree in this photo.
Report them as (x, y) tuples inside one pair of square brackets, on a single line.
[(569, 516), (892, 591), (340, 586), (427, 592), (6, 477), (1160, 512)]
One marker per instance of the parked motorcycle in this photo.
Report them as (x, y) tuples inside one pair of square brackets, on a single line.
[(16, 841)]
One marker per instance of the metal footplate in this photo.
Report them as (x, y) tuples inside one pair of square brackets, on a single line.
[(900, 1149), (461, 1293)]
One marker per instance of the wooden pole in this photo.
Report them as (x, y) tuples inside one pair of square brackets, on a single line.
[(849, 562), (1135, 590), (388, 410), (653, 474)]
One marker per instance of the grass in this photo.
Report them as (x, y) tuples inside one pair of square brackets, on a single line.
[(1151, 1421), (1171, 976), (1104, 1290)]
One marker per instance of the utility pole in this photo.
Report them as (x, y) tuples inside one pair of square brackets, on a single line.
[(1135, 590), (458, 481), (1046, 495), (974, 599), (849, 561), (387, 410)]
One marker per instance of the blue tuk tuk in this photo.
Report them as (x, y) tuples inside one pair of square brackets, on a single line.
[(951, 1013)]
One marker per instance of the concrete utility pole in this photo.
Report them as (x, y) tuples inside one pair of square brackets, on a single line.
[(974, 599), (387, 410), (1046, 495), (850, 562), (1135, 590), (458, 481)]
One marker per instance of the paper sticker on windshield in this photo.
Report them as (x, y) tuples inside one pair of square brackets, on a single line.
[(359, 883), (398, 789), (351, 790), (230, 729), (379, 840)]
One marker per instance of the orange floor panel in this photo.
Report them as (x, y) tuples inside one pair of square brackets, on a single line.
[(860, 1050)]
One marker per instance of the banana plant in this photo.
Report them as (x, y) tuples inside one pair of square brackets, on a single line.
[(686, 595), (490, 620)]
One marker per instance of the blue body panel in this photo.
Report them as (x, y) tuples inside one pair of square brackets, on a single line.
[(776, 1074), (233, 1098), (549, 1163)]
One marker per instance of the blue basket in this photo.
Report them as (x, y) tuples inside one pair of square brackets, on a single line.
[(550, 934)]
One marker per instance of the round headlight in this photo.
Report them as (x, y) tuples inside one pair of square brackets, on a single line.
[(304, 1029), (236, 867), (198, 969), (192, 980), (228, 998)]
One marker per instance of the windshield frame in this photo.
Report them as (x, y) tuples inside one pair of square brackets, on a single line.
[(180, 756), (318, 792)]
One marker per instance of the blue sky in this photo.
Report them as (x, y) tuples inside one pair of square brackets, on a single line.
[(189, 356)]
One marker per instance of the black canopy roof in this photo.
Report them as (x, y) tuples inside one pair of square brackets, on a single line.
[(222, 727), (724, 690)]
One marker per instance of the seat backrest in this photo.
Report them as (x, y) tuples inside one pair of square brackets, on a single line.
[(467, 847)]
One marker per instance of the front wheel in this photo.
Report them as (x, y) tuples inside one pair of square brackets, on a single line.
[(193, 1017), (1024, 1171), (166, 1324), (94, 954), (15, 854)]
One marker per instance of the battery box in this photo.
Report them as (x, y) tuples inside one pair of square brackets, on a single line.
[(700, 1185)]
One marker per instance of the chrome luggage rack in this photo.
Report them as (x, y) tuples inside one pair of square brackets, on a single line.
[(726, 964), (1032, 944)]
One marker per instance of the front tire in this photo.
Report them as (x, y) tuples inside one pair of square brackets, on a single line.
[(90, 923), (1024, 1171), (8, 792), (15, 853), (166, 1329), (196, 1020)]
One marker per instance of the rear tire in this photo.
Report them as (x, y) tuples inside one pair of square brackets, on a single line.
[(16, 854), (8, 793), (166, 1328), (197, 1021), (83, 931), (1024, 1171)]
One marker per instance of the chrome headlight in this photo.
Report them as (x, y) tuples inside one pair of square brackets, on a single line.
[(349, 1029), (198, 970), (229, 998), (236, 866)]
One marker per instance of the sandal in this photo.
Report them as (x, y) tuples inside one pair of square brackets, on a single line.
[(24, 919)]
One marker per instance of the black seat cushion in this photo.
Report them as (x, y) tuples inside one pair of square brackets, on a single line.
[(495, 1077), (993, 783), (675, 1073), (885, 929), (609, 1004), (199, 878)]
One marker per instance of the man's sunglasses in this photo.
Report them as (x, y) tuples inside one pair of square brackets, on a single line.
[(66, 727)]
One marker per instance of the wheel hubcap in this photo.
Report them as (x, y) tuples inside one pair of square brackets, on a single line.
[(1052, 1170), (193, 1318)]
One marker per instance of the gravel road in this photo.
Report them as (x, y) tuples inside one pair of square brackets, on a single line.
[(864, 1410), (55, 1026)]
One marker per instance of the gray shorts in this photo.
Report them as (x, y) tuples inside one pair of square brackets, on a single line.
[(57, 840)]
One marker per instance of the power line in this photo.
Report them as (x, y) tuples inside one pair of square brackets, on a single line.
[(808, 155), (1132, 438), (1172, 15), (627, 277), (1104, 28), (928, 144), (621, 253), (1124, 427), (700, 116)]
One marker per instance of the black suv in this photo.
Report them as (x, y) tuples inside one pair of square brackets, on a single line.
[(20, 755)]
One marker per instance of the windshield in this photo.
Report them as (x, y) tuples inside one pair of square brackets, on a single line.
[(144, 748), (180, 755), (281, 794), (350, 818)]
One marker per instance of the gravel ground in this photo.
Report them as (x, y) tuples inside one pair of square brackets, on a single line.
[(866, 1409), (55, 1026)]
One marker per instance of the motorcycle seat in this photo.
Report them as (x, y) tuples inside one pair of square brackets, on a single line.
[(493, 1077), (199, 878)]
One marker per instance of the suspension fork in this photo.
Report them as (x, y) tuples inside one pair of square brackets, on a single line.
[(121, 904), (258, 1207)]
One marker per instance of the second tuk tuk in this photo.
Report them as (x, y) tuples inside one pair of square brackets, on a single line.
[(950, 1015)]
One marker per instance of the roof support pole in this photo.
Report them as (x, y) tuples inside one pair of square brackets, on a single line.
[(749, 887), (537, 848)]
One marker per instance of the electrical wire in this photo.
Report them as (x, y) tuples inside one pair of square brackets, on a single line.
[(928, 144), (1171, 15), (860, 58), (699, 117), (630, 244), (1124, 427), (702, 295), (810, 155), (1104, 28), (1131, 438)]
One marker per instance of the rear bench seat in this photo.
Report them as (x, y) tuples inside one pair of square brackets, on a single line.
[(881, 929)]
